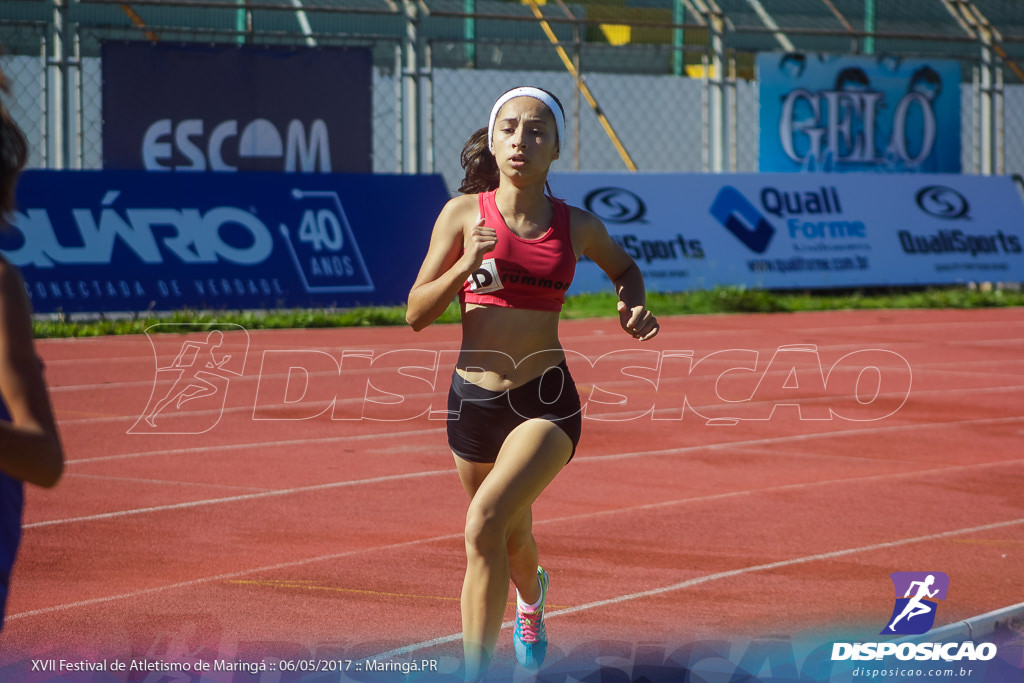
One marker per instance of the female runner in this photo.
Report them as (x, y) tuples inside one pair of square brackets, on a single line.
[(509, 251)]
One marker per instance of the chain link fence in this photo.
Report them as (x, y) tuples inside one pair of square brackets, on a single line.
[(674, 79), (24, 68)]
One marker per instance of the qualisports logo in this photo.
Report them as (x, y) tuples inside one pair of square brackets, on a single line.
[(195, 365), (942, 202), (742, 219), (914, 612), (616, 205)]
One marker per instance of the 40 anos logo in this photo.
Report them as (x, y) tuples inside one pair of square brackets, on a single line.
[(323, 247)]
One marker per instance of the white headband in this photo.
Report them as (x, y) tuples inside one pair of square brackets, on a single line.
[(535, 93)]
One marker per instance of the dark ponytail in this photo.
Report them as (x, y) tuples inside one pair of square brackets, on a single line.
[(13, 153), (480, 166)]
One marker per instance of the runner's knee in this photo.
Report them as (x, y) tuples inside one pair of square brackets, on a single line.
[(486, 531)]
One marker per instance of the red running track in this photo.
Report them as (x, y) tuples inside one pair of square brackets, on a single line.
[(751, 476)]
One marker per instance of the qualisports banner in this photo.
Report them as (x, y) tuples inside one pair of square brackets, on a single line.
[(178, 107), (91, 241), (833, 113), (784, 231)]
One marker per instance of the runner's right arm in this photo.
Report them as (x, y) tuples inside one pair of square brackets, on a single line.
[(457, 247)]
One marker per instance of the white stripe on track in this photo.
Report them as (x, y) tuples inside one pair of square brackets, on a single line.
[(654, 592), (413, 475), (544, 522), (236, 499), (165, 482), (260, 444), (608, 416), (220, 577), (762, 353), (718, 445)]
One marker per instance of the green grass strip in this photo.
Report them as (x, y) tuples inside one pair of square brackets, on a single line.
[(718, 300)]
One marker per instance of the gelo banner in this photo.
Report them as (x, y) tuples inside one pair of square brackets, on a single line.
[(838, 113), (178, 107), (786, 230), (133, 241)]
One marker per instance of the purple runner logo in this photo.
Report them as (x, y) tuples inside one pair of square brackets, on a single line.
[(195, 364), (914, 612)]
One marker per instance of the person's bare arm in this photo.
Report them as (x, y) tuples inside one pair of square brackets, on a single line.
[(597, 245), (30, 446), (457, 247)]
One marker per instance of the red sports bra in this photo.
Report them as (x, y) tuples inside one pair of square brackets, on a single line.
[(523, 273)]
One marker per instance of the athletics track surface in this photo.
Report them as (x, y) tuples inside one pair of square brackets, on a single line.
[(279, 533)]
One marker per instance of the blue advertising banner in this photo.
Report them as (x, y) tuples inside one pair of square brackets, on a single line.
[(839, 113), (786, 231), (191, 107), (89, 241)]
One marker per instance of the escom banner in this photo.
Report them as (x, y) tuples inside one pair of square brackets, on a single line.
[(193, 107), (786, 230), (132, 240)]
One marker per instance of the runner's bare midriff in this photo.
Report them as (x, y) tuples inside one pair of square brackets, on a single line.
[(503, 348)]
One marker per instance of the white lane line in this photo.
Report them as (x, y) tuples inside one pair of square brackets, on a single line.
[(583, 460), (550, 521), (236, 499), (602, 416), (191, 450), (654, 592), (164, 482), (212, 579)]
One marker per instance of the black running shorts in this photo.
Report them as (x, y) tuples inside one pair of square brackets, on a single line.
[(479, 420)]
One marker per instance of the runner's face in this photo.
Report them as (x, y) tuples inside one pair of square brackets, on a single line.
[(525, 137)]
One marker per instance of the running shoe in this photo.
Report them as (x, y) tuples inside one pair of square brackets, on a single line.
[(529, 635)]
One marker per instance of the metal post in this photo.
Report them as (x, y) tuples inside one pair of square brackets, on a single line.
[(869, 27), (715, 21), (241, 22), (581, 84), (1000, 150), (986, 102), (705, 116), (469, 32), (44, 125), (73, 97), (976, 112), (734, 116), (428, 92), (784, 42), (55, 90), (303, 20), (678, 39), (399, 84), (410, 94), (577, 98)]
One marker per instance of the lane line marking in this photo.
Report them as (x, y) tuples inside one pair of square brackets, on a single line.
[(456, 536), (655, 592), (235, 499), (190, 450), (431, 473)]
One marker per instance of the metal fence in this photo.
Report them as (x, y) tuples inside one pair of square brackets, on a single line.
[(657, 85)]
